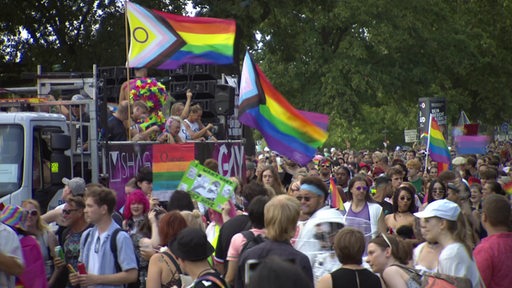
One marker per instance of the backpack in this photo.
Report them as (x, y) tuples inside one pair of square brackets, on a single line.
[(251, 241), (436, 280), (113, 249)]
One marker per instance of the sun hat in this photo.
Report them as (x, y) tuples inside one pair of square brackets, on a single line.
[(13, 216), (191, 244), (443, 208), (459, 160), (76, 185)]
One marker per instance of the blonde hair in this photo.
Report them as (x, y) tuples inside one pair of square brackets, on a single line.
[(281, 216), (193, 219), (413, 163), (196, 109), (41, 224), (175, 107), (141, 105), (271, 192)]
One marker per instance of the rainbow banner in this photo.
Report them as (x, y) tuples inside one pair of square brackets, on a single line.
[(471, 144), (292, 133), (336, 200), (437, 148), (170, 161), (507, 187), (165, 41)]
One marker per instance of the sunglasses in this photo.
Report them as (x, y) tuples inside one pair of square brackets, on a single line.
[(324, 166), (68, 211), (405, 198), (438, 191), (361, 188), (305, 198), (32, 212)]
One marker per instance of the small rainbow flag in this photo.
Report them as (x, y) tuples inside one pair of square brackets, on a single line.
[(336, 201), (508, 187), (165, 41), (290, 132), (438, 150)]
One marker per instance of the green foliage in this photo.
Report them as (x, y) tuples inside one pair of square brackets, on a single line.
[(70, 34), (365, 63)]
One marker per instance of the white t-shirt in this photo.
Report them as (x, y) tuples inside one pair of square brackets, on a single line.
[(454, 260), (183, 131), (95, 258)]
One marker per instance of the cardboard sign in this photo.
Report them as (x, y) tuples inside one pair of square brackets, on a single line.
[(206, 186), (410, 135)]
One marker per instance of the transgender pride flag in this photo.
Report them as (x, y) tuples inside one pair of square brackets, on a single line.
[(471, 144)]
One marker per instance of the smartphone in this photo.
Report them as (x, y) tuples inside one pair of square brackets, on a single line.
[(250, 267), (81, 268)]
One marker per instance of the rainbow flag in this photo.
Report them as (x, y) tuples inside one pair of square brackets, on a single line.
[(290, 132), (166, 41), (336, 200), (437, 148), (508, 187), (443, 167), (471, 144), (170, 161)]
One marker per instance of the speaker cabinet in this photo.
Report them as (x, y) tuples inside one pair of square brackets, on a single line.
[(224, 99)]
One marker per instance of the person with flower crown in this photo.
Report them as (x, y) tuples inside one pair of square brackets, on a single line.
[(154, 95), (127, 86)]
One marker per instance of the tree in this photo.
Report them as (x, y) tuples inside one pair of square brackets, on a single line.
[(70, 35), (367, 63)]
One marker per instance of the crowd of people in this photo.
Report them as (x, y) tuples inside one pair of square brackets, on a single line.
[(347, 219), (283, 228)]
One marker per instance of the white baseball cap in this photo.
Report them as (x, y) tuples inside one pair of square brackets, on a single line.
[(443, 208)]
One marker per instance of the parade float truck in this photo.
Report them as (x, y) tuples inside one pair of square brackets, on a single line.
[(39, 146)]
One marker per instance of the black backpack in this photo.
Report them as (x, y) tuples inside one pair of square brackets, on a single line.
[(113, 249), (251, 241)]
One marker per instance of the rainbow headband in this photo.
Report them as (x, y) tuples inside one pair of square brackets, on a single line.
[(312, 188)]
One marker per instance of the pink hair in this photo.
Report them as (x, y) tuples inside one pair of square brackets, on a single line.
[(217, 217), (136, 196)]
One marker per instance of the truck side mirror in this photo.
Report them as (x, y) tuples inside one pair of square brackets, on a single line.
[(60, 142), (60, 163)]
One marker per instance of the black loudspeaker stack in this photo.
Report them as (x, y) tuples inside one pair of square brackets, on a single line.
[(224, 99)]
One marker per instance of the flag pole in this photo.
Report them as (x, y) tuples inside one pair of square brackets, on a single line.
[(127, 50), (428, 140)]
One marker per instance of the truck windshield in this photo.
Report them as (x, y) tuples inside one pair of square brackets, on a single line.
[(11, 158)]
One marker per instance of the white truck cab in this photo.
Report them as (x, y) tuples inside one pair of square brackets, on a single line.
[(34, 156)]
